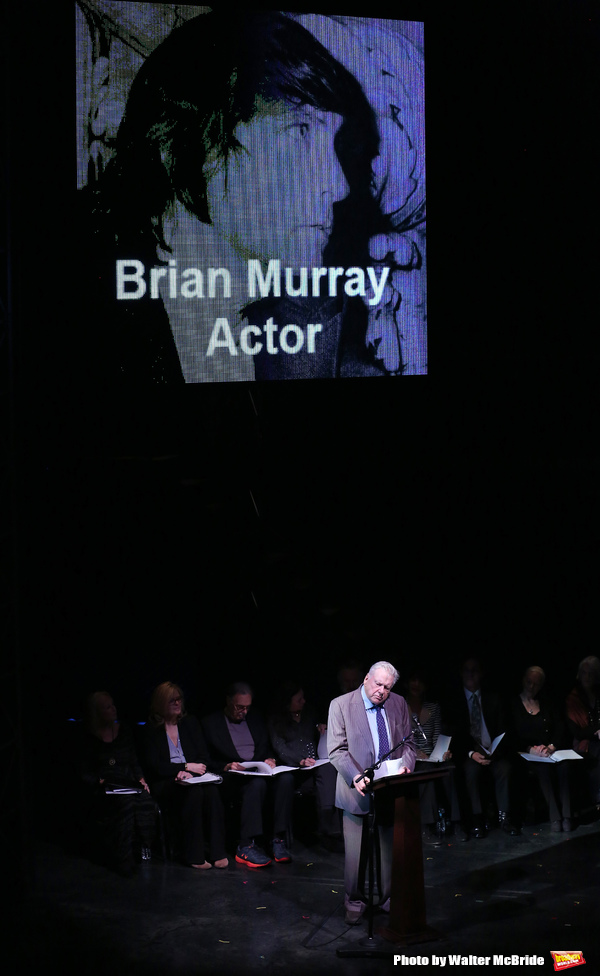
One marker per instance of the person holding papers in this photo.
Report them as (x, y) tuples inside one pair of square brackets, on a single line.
[(176, 754), (538, 734), (118, 793), (426, 719), (237, 735), (363, 726), (426, 716), (478, 725), (299, 740)]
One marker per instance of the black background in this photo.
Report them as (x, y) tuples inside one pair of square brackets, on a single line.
[(256, 531)]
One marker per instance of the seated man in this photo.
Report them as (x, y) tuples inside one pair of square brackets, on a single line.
[(363, 726), (475, 719), (235, 735)]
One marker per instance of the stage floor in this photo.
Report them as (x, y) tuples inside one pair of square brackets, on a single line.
[(522, 896)]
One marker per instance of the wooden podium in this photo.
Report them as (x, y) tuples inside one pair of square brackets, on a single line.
[(408, 921)]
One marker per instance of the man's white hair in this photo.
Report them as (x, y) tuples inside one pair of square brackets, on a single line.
[(386, 666), (593, 664)]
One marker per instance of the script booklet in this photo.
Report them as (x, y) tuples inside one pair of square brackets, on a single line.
[(557, 756), (205, 778), (122, 791), (122, 787), (254, 768), (494, 744), (442, 745)]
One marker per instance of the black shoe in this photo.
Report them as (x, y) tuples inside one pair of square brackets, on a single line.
[(480, 829), (507, 825)]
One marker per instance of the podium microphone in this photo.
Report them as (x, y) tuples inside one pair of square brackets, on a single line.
[(418, 726)]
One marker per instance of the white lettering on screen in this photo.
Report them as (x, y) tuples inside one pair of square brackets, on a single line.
[(132, 281)]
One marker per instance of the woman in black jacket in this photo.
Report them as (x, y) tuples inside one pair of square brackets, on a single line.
[(176, 752), (539, 732)]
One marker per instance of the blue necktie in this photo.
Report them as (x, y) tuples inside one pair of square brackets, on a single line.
[(384, 744)]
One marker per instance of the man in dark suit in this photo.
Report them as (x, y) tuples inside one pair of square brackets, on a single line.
[(362, 727), (234, 735), (475, 719)]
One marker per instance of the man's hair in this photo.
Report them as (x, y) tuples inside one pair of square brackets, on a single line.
[(238, 688), (386, 666), (192, 92)]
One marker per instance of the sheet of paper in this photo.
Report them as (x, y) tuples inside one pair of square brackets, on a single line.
[(205, 778), (442, 745)]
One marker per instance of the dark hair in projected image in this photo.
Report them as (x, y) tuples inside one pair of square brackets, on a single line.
[(194, 90)]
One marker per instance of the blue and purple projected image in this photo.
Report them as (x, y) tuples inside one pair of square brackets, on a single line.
[(254, 191)]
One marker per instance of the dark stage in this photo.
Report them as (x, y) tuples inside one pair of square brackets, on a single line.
[(266, 530), (501, 895)]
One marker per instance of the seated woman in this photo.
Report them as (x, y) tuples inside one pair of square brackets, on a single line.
[(583, 721), (176, 751), (295, 736), (109, 762), (537, 730), (426, 722)]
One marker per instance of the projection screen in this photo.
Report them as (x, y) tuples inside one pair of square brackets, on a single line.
[(251, 192)]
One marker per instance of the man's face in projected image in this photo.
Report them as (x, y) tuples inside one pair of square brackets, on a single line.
[(275, 197)]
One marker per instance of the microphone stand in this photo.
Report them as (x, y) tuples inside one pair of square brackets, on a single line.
[(371, 946)]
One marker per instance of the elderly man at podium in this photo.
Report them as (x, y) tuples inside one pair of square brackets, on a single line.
[(363, 727)]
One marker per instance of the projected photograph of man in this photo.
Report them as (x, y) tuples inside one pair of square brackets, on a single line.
[(252, 193)]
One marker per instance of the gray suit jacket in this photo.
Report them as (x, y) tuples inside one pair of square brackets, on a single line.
[(350, 743)]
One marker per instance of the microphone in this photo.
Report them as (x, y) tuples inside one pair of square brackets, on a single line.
[(418, 725)]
